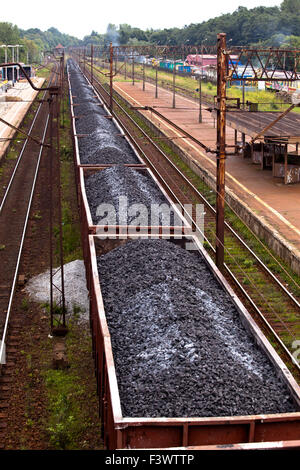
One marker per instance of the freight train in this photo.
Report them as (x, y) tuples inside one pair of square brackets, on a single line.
[(149, 342)]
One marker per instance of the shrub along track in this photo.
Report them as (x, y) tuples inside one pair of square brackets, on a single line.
[(275, 310), (41, 408)]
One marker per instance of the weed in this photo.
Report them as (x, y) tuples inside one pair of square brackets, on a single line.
[(248, 263), (64, 423), (29, 423), (25, 304), (37, 215)]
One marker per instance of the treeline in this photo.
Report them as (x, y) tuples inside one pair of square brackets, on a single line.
[(261, 27), (33, 41)]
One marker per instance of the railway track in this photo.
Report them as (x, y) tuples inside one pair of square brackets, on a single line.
[(15, 211), (275, 308)]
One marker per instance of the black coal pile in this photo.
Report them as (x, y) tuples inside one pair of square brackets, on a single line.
[(104, 145), (103, 142), (125, 187), (179, 346)]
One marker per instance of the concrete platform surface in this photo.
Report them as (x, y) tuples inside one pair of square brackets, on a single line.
[(14, 112)]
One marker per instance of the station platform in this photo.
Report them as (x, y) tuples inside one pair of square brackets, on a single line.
[(14, 111), (275, 204)]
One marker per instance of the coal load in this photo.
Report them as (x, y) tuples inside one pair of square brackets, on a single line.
[(179, 347), (103, 145), (100, 140), (110, 185)]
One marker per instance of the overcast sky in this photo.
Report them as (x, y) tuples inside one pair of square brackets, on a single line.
[(79, 18)]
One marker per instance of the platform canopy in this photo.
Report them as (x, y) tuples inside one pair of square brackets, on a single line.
[(251, 123)]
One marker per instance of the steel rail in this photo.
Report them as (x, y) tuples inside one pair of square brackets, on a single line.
[(12, 291), (13, 286), (20, 156), (258, 311)]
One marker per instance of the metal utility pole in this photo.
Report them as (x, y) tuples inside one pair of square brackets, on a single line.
[(144, 76), (92, 63), (54, 310), (174, 78), (156, 88), (221, 135), (6, 63), (62, 68), (200, 98), (111, 58), (5, 59), (132, 69), (116, 63)]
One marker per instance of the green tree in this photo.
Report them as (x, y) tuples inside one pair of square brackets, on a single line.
[(9, 34), (291, 6)]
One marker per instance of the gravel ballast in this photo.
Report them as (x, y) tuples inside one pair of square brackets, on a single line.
[(103, 144), (109, 185), (179, 346)]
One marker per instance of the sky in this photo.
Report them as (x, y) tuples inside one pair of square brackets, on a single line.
[(79, 18)]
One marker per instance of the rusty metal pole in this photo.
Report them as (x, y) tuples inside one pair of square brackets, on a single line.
[(174, 77), (156, 88), (144, 76), (62, 87), (61, 250), (132, 69), (111, 58), (221, 139), (125, 73), (200, 98), (50, 159), (92, 63), (84, 60)]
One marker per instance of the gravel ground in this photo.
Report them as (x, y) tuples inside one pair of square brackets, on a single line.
[(103, 145), (179, 346), (107, 186)]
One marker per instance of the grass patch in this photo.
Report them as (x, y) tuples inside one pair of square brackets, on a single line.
[(70, 424), (267, 100), (64, 393)]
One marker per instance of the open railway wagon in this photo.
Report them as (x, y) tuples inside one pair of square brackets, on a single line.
[(84, 109), (89, 189), (108, 167), (121, 358)]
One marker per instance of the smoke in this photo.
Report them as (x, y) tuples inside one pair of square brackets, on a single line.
[(112, 35)]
